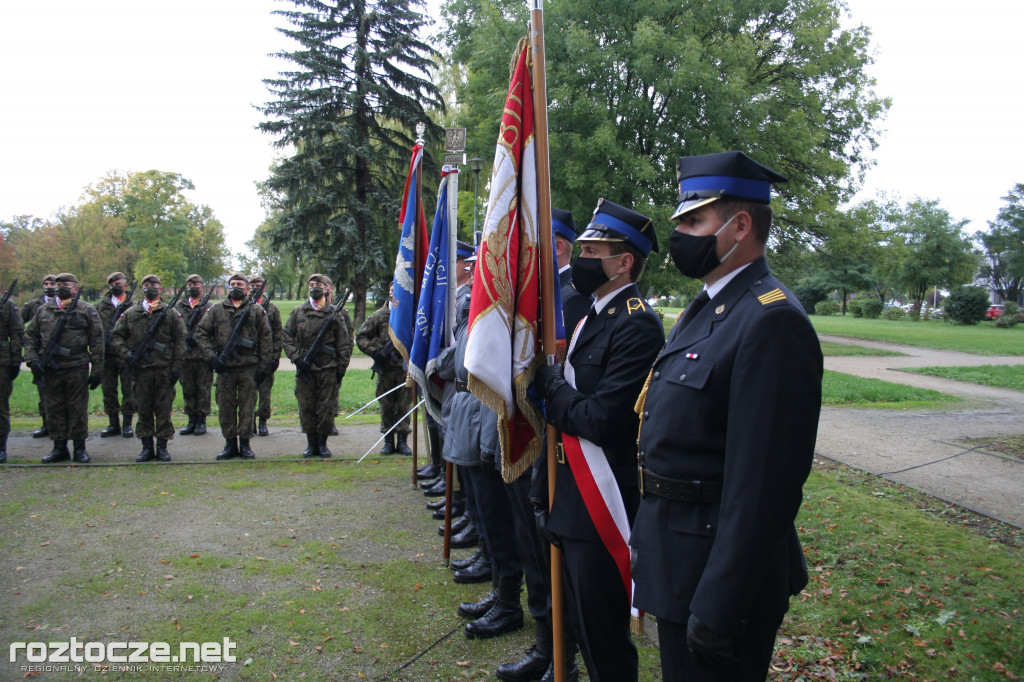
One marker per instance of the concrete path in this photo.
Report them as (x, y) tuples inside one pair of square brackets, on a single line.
[(921, 448)]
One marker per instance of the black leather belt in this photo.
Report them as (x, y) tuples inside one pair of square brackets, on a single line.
[(461, 386), (681, 491)]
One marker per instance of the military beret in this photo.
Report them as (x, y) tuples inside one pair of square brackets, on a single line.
[(153, 279), (49, 278), (317, 277), (328, 281), (66, 277), (193, 278), (255, 279), (114, 276), (240, 276)]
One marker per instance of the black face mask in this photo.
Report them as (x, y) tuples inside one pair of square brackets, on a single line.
[(236, 293), (316, 293), (116, 291), (696, 256), (64, 293), (193, 292), (588, 274), (151, 293), (49, 292)]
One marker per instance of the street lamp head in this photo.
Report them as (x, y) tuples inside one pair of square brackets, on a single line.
[(476, 164)]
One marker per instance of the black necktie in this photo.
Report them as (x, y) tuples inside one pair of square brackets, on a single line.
[(695, 307)]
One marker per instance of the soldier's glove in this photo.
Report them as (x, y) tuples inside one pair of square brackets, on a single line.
[(95, 380), (259, 377), (548, 380), (708, 648), (540, 515), (37, 371), (217, 365), (173, 376), (15, 370), (301, 366), (132, 362)]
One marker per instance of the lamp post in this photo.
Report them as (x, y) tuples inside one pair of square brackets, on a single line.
[(477, 165)]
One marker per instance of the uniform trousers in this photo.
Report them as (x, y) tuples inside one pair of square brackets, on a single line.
[(5, 399), (595, 595), (153, 395), (236, 402), (316, 391), (263, 396), (394, 405), (196, 382), (532, 554), (114, 372), (491, 513), (66, 399)]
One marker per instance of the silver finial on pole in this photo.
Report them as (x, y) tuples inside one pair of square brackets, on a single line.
[(420, 129)]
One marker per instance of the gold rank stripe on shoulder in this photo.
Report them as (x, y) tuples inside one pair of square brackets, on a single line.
[(634, 304), (772, 296)]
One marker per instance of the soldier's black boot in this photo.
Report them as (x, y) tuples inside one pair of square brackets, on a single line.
[(532, 666), (324, 452), (59, 453), (389, 444), (334, 430), (262, 428), (162, 453), (505, 616), (572, 670), (200, 425), (114, 429), (230, 449), (244, 450), (459, 564), (312, 446), (476, 609), (477, 572), (401, 446), (42, 431), (127, 430), (148, 454), (80, 455), (190, 429), (3, 449)]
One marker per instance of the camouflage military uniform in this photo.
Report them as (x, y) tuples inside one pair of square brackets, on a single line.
[(66, 390), (236, 385), (196, 375), (114, 370), (12, 337), (28, 311), (317, 388), (373, 340), (154, 390), (274, 320)]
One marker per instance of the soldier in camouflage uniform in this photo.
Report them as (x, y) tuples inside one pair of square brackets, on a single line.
[(373, 339), (113, 370), (12, 338), (238, 375), (156, 374), (196, 375), (274, 319), (28, 311), (66, 389), (347, 356), (316, 382)]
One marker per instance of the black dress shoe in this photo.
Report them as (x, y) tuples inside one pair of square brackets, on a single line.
[(467, 537), (572, 672), (457, 511), (436, 490), (435, 505), (476, 609), (528, 669), (431, 482), (457, 525), (428, 472), (479, 572), (459, 564), (41, 432), (505, 616)]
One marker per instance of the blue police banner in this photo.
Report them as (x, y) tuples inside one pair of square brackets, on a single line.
[(414, 238)]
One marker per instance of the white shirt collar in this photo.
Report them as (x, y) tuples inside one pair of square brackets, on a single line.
[(717, 287), (600, 303)]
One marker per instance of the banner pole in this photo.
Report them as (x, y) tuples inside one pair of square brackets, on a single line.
[(417, 269)]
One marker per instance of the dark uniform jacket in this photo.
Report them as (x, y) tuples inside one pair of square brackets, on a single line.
[(82, 335), (304, 323), (574, 304), (12, 336), (611, 358), (257, 346), (733, 400), (274, 320), (185, 310), (169, 350), (28, 311), (372, 338), (105, 309)]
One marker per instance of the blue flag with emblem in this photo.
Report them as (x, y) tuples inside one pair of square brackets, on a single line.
[(436, 305), (414, 238)]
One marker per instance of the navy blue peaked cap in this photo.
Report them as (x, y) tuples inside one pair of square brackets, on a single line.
[(614, 223), (710, 177)]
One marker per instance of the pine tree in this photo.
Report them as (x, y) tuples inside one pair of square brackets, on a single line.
[(348, 110)]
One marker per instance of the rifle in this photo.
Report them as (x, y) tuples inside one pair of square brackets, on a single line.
[(309, 359), (118, 311), (193, 321), (46, 361), (141, 354), (230, 349), (7, 296)]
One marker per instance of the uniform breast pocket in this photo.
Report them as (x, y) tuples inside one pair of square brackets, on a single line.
[(679, 395), (589, 356)]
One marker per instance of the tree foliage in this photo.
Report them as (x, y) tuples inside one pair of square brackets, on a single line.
[(1003, 263), (966, 305), (346, 109), (631, 86)]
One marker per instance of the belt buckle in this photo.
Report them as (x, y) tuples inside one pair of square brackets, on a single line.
[(640, 476), (560, 453)]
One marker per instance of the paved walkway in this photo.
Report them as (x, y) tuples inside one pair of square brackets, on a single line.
[(920, 448)]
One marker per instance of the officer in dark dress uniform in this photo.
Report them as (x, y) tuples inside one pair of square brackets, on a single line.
[(574, 304), (592, 405), (28, 311), (729, 420)]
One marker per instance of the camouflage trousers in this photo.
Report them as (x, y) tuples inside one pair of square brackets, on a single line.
[(395, 405), (5, 399), (196, 382), (114, 371), (153, 397), (263, 396), (316, 392), (236, 402), (66, 399)]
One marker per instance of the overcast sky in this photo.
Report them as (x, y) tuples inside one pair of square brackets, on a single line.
[(133, 85)]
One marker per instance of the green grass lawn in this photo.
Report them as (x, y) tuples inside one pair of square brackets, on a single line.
[(830, 349), (1003, 376), (846, 390), (980, 339)]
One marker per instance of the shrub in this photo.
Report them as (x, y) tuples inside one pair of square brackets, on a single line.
[(1010, 316), (892, 314), (967, 305), (809, 292), (871, 308), (825, 308), (854, 307)]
